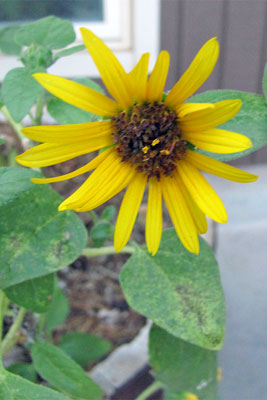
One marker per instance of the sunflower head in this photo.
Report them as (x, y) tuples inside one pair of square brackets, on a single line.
[(149, 138)]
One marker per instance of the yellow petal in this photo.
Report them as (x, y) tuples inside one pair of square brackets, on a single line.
[(218, 168), (128, 211), (138, 77), (109, 187), (53, 153), (202, 193), (180, 214), (197, 215), (219, 141), (197, 73), (154, 216), (78, 95), (210, 117), (157, 80), (103, 171), (88, 167), (112, 73), (187, 108), (68, 133)]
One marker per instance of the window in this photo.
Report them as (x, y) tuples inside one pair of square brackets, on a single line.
[(129, 27), (27, 10)]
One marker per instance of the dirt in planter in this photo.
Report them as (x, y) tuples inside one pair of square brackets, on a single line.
[(97, 303)]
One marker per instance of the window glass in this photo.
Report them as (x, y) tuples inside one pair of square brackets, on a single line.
[(27, 10)]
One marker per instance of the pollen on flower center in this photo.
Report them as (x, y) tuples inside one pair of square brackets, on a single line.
[(149, 137)]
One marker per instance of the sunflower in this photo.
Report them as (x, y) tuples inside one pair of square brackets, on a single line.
[(147, 138)]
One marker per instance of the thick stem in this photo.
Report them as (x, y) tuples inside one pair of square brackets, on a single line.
[(150, 390), (2, 307), (40, 326), (11, 337), (103, 251), (16, 125), (2, 311), (39, 109)]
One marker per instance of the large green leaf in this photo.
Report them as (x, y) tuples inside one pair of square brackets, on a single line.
[(250, 121), (57, 368), (19, 92), (84, 348), (8, 45), (264, 82), (51, 32), (34, 294), (35, 239), (57, 311), (13, 387), (65, 113), (182, 366), (179, 291), (25, 370)]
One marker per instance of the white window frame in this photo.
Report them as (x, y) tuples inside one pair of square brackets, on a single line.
[(130, 28)]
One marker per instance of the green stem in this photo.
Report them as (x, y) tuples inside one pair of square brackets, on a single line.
[(103, 251), (2, 308), (3, 305), (150, 390), (16, 125), (40, 326), (32, 118), (11, 337), (39, 109)]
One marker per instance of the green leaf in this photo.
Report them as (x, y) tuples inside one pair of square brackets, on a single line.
[(25, 370), (109, 213), (180, 291), (1, 141), (182, 366), (35, 239), (57, 311), (19, 91), (8, 45), (57, 368), (176, 396), (264, 82), (84, 348), (69, 51), (35, 294), (51, 32), (100, 233), (1, 99), (251, 120), (13, 387), (65, 113)]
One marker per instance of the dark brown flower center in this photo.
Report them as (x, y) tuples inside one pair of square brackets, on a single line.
[(149, 137)]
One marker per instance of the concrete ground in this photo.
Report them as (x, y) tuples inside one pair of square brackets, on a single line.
[(241, 250)]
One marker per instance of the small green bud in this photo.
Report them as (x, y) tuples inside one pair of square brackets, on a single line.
[(37, 57)]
